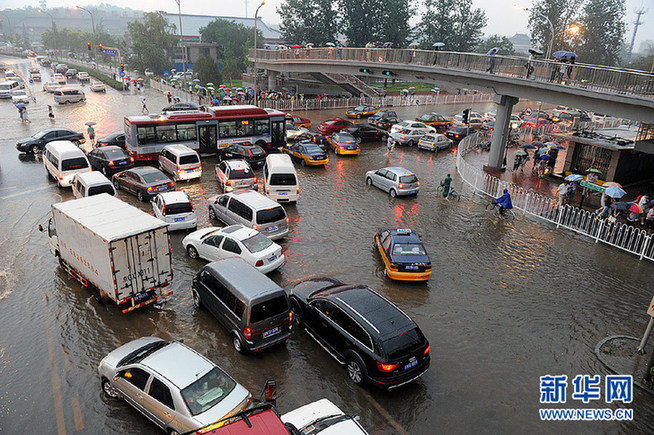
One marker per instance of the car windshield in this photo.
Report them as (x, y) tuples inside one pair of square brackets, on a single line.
[(189, 159), (208, 391), (408, 249), (178, 208), (257, 243), (40, 134), (102, 188), (257, 151), (282, 180), (115, 154), (312, 149), (403, 343), (408, 179), (153, 177), (269, 215), (241, 173), (266, 310), (72, 164), (359, 108)]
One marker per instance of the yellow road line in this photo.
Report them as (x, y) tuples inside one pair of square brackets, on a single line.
[(77, 414), (56, 384), (385, 413)]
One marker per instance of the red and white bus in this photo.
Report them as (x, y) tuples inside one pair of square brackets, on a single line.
[(205, 132)]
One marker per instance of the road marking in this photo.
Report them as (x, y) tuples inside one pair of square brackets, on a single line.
[(56, 384), (384, 413), (77, 414), (25, 192)]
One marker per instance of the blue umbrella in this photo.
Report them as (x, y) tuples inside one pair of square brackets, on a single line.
[(557, 147), (563, 54), (614, 192), (528, 146), (388, 44), (20, 106), (574, 177), (545, 157), (542, 151)]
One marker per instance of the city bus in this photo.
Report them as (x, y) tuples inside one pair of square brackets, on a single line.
[(204, 131)]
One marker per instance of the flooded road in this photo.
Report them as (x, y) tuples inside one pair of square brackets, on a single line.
[(508, 302)]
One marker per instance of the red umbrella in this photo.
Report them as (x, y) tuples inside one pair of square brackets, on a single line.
[(636, 208), (297, 46)]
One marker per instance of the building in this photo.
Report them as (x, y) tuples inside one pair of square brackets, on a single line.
[(521, 42)]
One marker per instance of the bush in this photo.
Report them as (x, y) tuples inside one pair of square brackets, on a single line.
[(102, 77)]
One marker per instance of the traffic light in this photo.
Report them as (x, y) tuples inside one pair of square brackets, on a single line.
[(466, 115), (388, 73), (122, 67), (88, 45), (365, 70), (100, 47)]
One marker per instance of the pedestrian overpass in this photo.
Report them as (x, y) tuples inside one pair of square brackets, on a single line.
[(613, 91)]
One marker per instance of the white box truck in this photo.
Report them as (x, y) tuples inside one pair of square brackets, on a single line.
[(117, 250)]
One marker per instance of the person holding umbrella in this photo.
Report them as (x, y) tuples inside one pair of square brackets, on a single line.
[(649, 218), (50, 113), (562, 190)]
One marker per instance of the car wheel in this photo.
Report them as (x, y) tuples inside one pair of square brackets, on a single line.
[(172, 432), (192, 252), (109, 390), (383, 138), (212, 214), (104, 171), (297, 313), (303, 162), (358, 116), (140, 196), (197, 303), (35, 149), (369, 181), (410, 143), (358, 139), (236, 342), (354, 370), (76, 143), (393, 193)]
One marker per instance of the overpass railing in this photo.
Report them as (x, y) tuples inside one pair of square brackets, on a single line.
[(592, 77), (617, 234)]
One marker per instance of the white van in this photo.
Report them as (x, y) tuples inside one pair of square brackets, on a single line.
[(7, 87), (69, 95), (91, 183), (63, 161), (181, 162), (280, 179)]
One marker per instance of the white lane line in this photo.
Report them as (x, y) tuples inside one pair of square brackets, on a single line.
[(24, 192)]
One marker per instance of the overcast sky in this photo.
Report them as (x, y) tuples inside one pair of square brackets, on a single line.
[(503, 17)]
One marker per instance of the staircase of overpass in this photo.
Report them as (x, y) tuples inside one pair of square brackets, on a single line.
[(348, 82)]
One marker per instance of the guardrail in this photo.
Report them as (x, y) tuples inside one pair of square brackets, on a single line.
[(593, 77), (617, 234)]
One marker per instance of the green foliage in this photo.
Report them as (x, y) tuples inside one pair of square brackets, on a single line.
[(602, 32), (103, 78), (561, 13), (502, 42), (305, 21), (76, 41), (375, 20), (153, 42), (235, 39), (207, 71), (453, 22)]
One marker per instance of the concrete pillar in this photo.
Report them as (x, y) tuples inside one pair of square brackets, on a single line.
[(505, 105), (272, 79)]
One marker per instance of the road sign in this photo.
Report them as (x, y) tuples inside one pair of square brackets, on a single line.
[(122, 73), (31, 81), (592, 186), (528, 111), (166, 73), (380, 59), (110, 51), (650, 310)]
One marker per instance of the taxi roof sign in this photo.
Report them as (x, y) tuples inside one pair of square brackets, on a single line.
[(404, 231)]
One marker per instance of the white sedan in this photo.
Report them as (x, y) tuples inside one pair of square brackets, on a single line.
[(324, 413), (20, 96), (98, 87), (215, 243)]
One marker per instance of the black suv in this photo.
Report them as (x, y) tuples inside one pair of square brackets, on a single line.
[(253, 154), (376, 341), (384, 119), (458, 132), (35, 144), (367, 133)]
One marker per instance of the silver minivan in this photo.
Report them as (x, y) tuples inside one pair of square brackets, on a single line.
[(251, 209), (181, 162), (69, 95), (394, 180), (91, 183), (249, 305)]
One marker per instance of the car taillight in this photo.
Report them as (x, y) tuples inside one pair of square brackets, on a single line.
[(401, 186), (131, 159), (192, 208), (297, 189), (199, 168), (150, 189), (228, 183), (259, 263), (179, 170), (418, 183), (163, 210), (111, 163), (254, 227), (267, 190), (341, 148), (290, 318), (256, 180), (403, 137), (386, 367), (456, 135), (287, 220), (427, 350), (247, 333), (171, 184), (61, 177)]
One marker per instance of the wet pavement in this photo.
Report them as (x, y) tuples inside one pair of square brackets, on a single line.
[(508, 301)]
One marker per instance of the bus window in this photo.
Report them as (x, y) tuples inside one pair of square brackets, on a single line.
[(146, 134), (246, 127), (186, 132), (261, 126), (166, 133), (227, 129)]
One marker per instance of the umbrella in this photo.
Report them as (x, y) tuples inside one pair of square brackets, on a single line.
[(297, 46), (542, 151), (612, 184), (596, 171), (563, 54), (614, 192), (241, 93), (538, 144), (330, 44), (493, 50), (20, 106), (210, 84), (211, 87), (227, 98), (528, 146), (574, 177), (549, 144), (535, 52), (620, 205), (545, 157), (90, 123), (557, 147), (521, 153), (222, 86), (196, 80), (635, 208), (414, 44), (412, 87), (140, 79), (438, 44), (309, 45), (388, 44)]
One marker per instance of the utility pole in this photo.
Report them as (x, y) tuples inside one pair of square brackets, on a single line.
[(181, 42), (640, 12)]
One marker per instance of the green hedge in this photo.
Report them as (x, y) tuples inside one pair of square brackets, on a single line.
[(98, 75)]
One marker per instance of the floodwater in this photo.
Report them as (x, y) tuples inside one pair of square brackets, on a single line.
[(508, 301)]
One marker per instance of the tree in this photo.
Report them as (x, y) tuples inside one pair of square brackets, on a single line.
[(234, 39), (561, 13), (305, 21), (396, 14), (153, 42), (375, 20), (452, 22), (602, 32), (207, 70), (502, 42)]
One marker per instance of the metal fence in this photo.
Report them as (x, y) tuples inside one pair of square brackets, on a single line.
[(620, 235), (593, 77)]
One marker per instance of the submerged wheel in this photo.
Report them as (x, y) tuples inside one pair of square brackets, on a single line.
[(140, 197), (393, 193), (192, 252), (369, 181), (297, 313), (410, 142)]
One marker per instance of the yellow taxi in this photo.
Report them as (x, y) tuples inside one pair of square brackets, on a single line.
[(298, 121), (308, 153), (343, 143), (362, 111), (435, 120), (403, 254)]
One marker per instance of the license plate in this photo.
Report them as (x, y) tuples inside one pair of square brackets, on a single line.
[(411, 192), (123, 163), (190, 170), (272, 228), (273, 331), (180, 219), (411, 267), (283, 193), (161, 188), (411, 365), (141, 297), (351, 148), (271, 259)]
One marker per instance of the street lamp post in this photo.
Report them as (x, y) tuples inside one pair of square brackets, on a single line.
[(549, 48), (8, 24), (181, 42), (54, 31), (92, 19), (256, 76)]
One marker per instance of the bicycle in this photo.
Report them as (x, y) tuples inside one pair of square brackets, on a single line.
[(453, 194), (507, 214)]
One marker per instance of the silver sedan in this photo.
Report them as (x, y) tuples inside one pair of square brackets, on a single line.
[(394, 180)]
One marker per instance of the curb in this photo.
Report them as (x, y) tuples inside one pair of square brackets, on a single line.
[(613, 369)]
